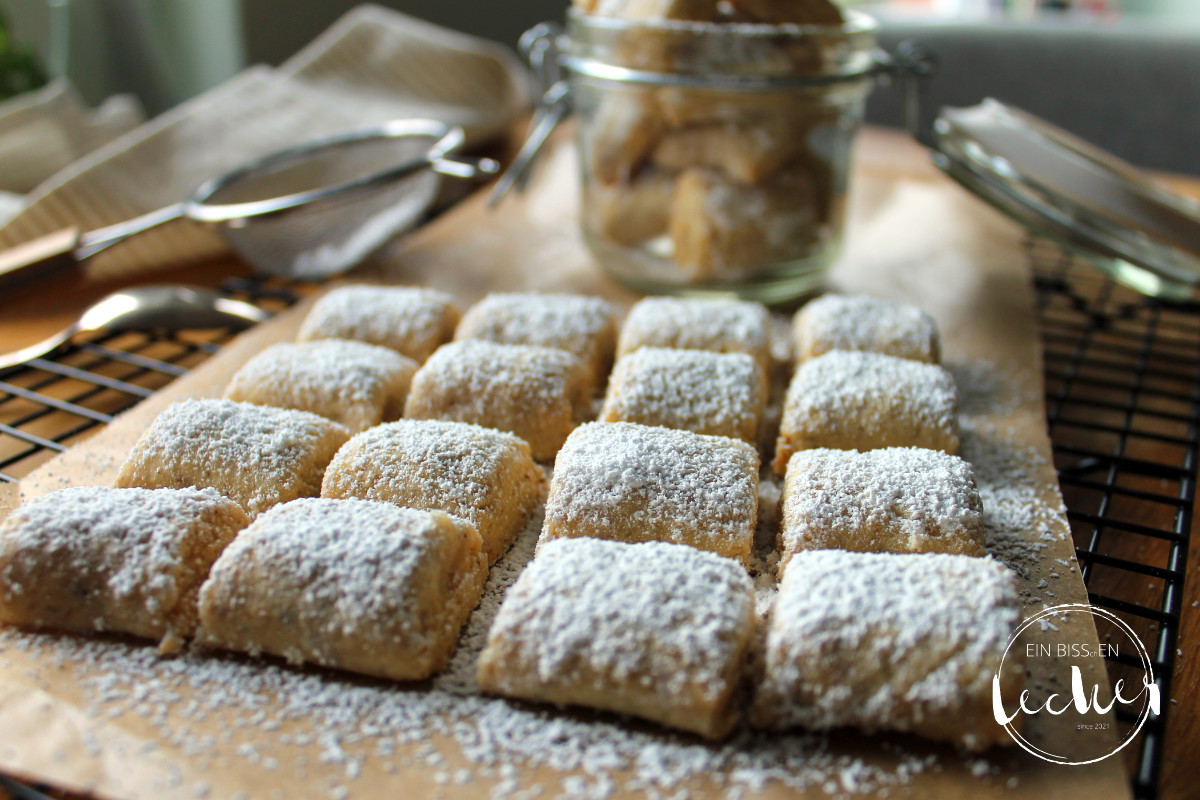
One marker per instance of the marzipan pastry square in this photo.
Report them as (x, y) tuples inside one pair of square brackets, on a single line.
[(484, 476), (635, 483), (256, 455), (356, 384), (538, 393), (856, 322), (413, 321), (98, 559), (350, 584), (893, 500), (880, 641), (655, 630), (864, 401), (716, 394)]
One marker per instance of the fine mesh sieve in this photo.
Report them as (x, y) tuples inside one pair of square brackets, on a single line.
[(306, 212)]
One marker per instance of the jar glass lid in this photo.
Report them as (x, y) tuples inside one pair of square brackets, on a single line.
[(1096, 205)]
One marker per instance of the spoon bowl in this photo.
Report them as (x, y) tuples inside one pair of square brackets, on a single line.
[(148, 308)]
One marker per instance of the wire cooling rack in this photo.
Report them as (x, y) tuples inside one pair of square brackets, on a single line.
[(1123, 408)]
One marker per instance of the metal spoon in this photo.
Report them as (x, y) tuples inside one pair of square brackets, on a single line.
[(148, 308)]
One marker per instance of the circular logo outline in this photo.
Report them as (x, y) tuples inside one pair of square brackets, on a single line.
[(1143, 654)]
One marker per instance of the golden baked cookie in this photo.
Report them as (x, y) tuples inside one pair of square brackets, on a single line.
[(635, 483), (864, 401), (655, 630), (855, 322), (484, 476), (410, 320), (98, 559), (356, 384), (633, 213), (350, 584), (586, 327), (723, 326), (716, 394), (893, 500), (538, 393), (881, 641), (256, 455)]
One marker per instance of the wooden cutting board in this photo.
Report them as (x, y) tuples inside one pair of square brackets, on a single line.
[(913, 236)]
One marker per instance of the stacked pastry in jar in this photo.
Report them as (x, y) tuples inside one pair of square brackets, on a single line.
[(712, 184), (298, 517)]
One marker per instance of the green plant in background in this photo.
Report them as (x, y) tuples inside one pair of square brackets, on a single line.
[(20, 70)]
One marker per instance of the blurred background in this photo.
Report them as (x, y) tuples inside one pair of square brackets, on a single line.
[(1122, 73)]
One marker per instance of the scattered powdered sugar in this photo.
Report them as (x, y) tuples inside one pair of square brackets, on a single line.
[(895, 499), (694, 390), (857, 322), (726, 326)]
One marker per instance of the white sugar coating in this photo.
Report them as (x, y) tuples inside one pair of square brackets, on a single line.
[(726, 326), (619, 480), (659, 629), (583, 326), (136, 556), (857, 322), (410, 320), (365, 586), (669, 612), (896, 499), (886, 641), (719, 394), (354, 383), (256, 455), (862, 401)]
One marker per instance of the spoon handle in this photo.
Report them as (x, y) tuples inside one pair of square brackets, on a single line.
[(52, 255)]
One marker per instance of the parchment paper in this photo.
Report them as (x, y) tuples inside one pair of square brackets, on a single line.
[(913, 236)]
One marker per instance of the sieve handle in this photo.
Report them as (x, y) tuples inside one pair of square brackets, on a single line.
[(94, 241)]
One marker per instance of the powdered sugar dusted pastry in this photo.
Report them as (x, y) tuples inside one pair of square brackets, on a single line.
[(361, 586), (655, 630), (356, 384), (484, 476), (890, 642), (256, 455), (723, 326), (586, 327), (634, 483), (844, 322), (538, 393), (412, 321), (894, 500), (864, 401), (99, 559), (717, 394)]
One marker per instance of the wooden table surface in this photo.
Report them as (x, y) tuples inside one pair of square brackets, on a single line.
[(40, 310)]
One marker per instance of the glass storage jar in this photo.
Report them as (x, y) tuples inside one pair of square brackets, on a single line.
[(715, 157)]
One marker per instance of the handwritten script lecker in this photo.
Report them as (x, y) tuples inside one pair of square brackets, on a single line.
[(1078, 699)]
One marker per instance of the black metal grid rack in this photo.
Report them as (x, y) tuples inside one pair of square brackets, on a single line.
[(1123, 405)]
